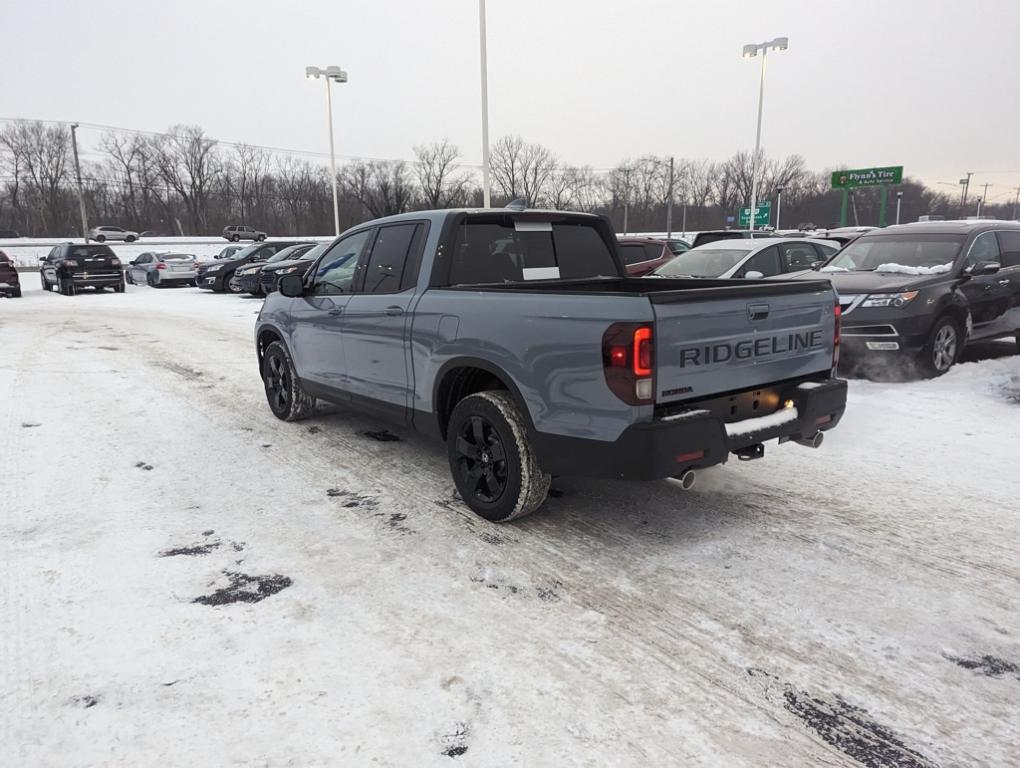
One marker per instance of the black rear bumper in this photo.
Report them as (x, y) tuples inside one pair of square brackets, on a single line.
[(692, 440)]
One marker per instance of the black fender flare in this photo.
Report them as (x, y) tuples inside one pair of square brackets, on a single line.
[(487, 366)]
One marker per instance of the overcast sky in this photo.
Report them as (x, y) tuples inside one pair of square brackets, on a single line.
[(933, 85)]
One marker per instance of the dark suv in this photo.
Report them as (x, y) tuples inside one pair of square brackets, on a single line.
[(925, 290), (220, 275), (243, 232), (69, 267), (10, 285)]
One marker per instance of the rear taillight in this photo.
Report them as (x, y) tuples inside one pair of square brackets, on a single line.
[(628, 360), (161, 265), (115, 262), (70, 263), (837, 318)]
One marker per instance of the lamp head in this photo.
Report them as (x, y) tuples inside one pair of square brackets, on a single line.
[(750, 51), (780, 44), (312, 72)]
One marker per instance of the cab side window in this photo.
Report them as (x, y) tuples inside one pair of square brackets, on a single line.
[(984, 248), (334, 274), (385, 266), (1009, 245)]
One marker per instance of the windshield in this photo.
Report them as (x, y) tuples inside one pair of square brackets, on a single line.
[(702, 262), (292, 252), (867, 254), (246, 251)]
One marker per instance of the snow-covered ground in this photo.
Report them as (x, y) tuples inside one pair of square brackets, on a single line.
[(857, 604)]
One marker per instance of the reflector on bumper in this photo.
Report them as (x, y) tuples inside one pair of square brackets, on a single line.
[(885, 346)]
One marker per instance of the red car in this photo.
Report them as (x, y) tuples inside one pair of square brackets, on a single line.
[(10, 285), (643, 254)]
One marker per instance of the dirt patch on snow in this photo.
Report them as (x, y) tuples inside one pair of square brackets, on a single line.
[(245, 589), (194, 551), (989, 666), (382, 435)]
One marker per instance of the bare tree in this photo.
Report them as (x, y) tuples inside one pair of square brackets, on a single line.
[(188, 164), (41, 153), (521, 169), (436, 171)]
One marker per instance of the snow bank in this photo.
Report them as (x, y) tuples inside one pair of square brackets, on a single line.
[(747, 426), (902, 269)]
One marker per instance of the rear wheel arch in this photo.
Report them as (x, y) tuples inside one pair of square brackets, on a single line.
[(266, 337), (465, 376)]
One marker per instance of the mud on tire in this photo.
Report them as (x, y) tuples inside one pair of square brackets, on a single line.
[(493, 465), (286, 398)]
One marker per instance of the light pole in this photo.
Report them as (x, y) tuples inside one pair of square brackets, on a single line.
[(486, 184), (332, 75), (779, 205), (750, 51), (899, 199), (978, 212), (77, 174)]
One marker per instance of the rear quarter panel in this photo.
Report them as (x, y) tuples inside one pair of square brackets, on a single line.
[(549, 345)]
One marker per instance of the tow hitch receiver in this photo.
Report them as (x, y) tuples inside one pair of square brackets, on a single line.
[(751, 452)]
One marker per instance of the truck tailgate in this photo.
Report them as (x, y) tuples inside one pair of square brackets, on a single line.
[(722, 340)]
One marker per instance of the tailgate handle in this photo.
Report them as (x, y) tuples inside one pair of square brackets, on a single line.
[(757, 311)]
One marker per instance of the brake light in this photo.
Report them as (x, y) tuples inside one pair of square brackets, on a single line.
[(115, 262), (70, 263), (161, 265), (628, 355), (837, 318), (643, 351)]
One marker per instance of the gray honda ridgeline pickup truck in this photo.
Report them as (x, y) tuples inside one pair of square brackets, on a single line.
[(517, 337)]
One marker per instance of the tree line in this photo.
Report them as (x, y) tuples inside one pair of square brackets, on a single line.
[(183, 182)]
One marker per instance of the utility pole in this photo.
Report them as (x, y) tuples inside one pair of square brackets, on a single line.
[(978, 212), (626, 197), (669, 203), (853, 204), (984, 197), (77, 173), (779, 205), (966, 188), (1016, 200)]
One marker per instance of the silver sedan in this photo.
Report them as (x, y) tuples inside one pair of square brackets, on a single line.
[(162, 269)]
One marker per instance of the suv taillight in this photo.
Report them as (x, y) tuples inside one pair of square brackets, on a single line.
[(161, 265), (70, 263), (115, 262), (628, 360)]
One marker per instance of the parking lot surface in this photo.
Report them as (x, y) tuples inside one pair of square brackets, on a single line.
[(189, 581)]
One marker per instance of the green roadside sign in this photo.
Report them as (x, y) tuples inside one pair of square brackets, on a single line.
[(761, 216), (867, 177)]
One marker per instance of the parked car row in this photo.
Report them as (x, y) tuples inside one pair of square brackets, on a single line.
[(221, 274)]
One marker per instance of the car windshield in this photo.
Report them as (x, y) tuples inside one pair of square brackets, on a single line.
[(246, 251), (313, 253), (702, 262), (867, 254), (288, 253)]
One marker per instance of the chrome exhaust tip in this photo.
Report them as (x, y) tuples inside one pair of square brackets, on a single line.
[(686, 479), (815, 441)]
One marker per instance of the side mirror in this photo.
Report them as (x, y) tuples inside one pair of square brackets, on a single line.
[(984, 268), (291, 286), (816, 265), (754, 275), (42, 259)]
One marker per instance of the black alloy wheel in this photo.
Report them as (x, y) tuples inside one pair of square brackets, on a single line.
[(276, 375), (481, 459)]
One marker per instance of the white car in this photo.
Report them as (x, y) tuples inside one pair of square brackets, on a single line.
[(751, 257), (102, 234)]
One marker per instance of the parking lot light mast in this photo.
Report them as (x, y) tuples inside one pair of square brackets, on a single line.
[(77, 174), (486, 183), (750, 51), (899, 199), (332, 75), (779, 205)]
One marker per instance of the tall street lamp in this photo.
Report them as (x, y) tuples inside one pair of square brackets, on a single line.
[(750, 51), (332, 75), (486, 183)]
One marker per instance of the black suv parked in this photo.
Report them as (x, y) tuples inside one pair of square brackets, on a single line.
[(925, 290), (69, 267), (293, 265), (220, 275), (10, 285)]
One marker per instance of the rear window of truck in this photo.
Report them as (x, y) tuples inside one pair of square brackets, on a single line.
[(515, 251)]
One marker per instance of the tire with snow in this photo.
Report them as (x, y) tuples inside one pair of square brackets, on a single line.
[(287, 399), (493, 465), (945, 341), (235, 238)]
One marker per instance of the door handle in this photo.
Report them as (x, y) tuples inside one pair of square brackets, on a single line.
[(394, 311), (1004, 283), (336, 312)]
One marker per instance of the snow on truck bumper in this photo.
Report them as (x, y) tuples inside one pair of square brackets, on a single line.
[(693, 439)]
